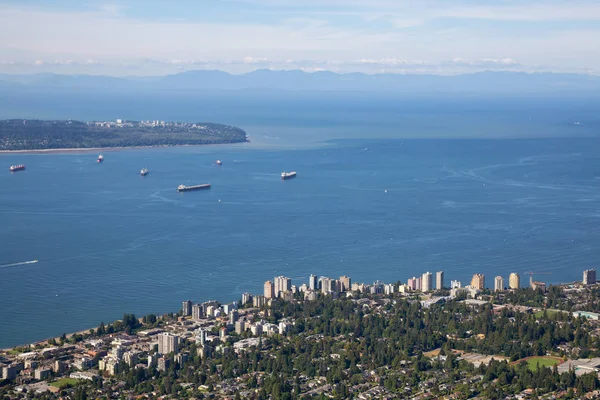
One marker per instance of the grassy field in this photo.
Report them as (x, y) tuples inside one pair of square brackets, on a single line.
[(64, 382), (542, 361), (549, 312)]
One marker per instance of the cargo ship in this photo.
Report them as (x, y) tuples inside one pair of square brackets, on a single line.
[(100, 158), (288, 175), (144, 172), (219, 162), (183, 188), (14, 168)]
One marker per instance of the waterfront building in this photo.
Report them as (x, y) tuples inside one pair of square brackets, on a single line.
[(346, 283), (455, 285), (358, 287), (514, 281), (412, 283), (427, 282), (282, 284), (327, 285), (197, 312), (589, 277), (419, 283), (168, 343), (186, 308), (269, 290), (259, 301), (211, 303), (439, 280), (498, 284), (377, 287), (478, 281), (389, 288), (246, 298), (538, 285), (313, 282), (210, 311)]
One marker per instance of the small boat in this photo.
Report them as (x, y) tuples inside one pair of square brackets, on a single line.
[(15, 168), (100, 158), (219, 162), (144, 172), (288, 175)]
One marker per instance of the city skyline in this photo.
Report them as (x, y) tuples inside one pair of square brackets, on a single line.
[(354, 36)]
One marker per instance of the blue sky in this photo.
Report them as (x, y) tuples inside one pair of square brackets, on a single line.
[(401, 36)]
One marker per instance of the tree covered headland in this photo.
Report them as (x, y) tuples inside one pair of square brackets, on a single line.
[(19, 134)]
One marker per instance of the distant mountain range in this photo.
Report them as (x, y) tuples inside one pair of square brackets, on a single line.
[(482, 82)]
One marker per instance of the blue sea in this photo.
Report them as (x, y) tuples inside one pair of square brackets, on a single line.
[(498, 192)]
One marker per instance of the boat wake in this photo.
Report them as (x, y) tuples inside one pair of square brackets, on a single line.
[(17, 264)]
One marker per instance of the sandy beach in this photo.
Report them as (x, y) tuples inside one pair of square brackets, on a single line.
[(109, 149)]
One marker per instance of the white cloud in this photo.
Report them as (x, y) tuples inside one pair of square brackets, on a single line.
[(366, 35)]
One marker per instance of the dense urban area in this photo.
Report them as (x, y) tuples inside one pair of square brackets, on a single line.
[(335, 339), (20, 134)]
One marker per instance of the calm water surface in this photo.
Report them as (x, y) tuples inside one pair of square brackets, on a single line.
[(110, 242)]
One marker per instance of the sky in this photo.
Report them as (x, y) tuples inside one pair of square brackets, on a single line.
[(157, 37)]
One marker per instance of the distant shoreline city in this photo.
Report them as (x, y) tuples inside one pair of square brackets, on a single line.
[(281, 287), (161, 343)]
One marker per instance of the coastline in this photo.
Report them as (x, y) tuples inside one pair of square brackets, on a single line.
[(109, 149), (45, 341)]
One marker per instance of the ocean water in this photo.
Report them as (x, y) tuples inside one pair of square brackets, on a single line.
[(374, 207)]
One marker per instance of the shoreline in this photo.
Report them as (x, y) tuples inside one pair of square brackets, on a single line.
[(95, 328), (45, 341), (108, 149)]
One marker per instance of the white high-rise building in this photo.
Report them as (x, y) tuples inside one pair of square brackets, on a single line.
[(326, 285), (246, 298), (167, 343), (439, 280), (498, 284), (427, 282), (313, 282), (281, 285)]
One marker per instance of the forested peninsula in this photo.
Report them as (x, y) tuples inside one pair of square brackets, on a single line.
[(23, 135)]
